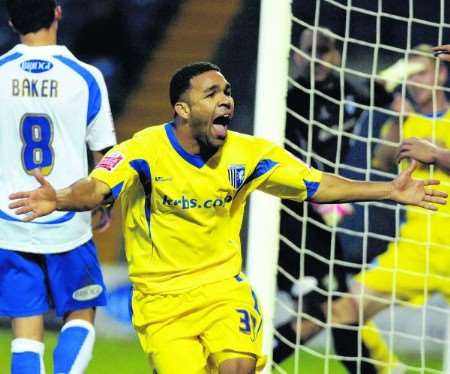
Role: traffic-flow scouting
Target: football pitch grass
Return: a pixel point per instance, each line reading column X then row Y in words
column 124, row 356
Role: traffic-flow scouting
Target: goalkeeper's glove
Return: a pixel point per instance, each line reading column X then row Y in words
column 400, row 71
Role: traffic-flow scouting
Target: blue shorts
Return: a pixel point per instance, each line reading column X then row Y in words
column 32, row 283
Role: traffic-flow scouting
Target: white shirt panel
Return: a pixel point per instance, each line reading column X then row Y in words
column 52, row 104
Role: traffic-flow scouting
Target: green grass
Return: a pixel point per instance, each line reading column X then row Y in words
column 111, row 356
column 309, row 364
column 119, row 356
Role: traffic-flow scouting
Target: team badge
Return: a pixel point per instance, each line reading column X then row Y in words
column 236, row 174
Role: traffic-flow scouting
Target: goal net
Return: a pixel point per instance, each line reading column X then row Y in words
column 339, row 125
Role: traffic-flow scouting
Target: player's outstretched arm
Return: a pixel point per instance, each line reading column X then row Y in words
column 85, row 194
column 424, row 151
column 442, row 52
column 403, row 189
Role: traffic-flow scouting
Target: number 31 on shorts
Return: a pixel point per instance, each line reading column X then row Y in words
column 36, row 131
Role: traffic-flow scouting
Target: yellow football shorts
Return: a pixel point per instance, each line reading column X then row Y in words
column 412, row 271
column 195, row 332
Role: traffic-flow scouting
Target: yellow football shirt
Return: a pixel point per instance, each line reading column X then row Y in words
column 416, row 226
column 417, row 264
column 181, row 214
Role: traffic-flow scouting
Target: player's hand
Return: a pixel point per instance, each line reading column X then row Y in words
column 418, row 149
column 104, row 219
column 36, row 203
column 442, row 52
column 406, row 190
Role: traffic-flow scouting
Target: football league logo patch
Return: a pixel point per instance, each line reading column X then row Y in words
column 236, row 174
column 110, row 162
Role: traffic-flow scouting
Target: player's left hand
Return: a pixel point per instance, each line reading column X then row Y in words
column 105, row 218
column 406, row 190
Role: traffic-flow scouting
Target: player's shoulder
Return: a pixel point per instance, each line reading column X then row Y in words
column 139, row 144
column 151, row 136
column 66, row 57
column 10, row 55
column 152, row 131
column 7, row 54
column 248, row 141
column 445, row 117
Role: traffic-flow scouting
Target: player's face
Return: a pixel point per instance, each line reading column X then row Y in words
column 325, row 52
column 211, row 108
column 421, row 83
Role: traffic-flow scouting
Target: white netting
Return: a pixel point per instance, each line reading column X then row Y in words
column 370, row 35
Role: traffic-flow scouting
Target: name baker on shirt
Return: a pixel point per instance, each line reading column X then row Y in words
column 34, row 87
column 186, row 203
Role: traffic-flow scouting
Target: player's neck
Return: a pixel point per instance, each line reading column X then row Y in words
column 439, row 106
column 40, row 38
column 183, row 133
column 184, row 136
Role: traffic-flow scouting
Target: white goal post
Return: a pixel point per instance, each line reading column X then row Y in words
column 270, row 116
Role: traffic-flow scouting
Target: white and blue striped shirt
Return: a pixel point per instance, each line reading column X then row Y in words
column 52, row 105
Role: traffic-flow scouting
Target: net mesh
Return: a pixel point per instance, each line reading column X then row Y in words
column 340, row 130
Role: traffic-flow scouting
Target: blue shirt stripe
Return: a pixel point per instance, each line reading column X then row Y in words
column 311, row 188
column 143, row 170
column 436, row 114
column 262, row 168
column 195, row 160
column 95, row 95
column 66, row 217
column 116, row 190
column 10, row 58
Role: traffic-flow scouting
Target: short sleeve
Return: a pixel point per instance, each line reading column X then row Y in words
column 100, row 132
column 115, row 170
column 279, row 173
column 290, row 178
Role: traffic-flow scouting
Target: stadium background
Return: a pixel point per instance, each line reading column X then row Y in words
column 137, row 44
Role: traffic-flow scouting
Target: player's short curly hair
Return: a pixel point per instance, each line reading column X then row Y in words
column 31, row 15
column 181, row 80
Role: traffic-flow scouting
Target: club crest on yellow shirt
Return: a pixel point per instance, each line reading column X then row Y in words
column 236, row 174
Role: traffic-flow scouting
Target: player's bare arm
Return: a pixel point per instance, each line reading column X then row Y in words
column 424, row 151
column 85, row 194
column 403, row 189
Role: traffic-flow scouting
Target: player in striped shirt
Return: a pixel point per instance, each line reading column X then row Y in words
column 52, row 106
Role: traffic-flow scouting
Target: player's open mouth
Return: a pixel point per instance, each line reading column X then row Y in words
column 220, row 126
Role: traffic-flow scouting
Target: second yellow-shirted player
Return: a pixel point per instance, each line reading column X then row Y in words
column 418, row 264
column 183, row 187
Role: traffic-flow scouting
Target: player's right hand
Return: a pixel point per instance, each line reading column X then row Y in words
column 442, row 52
column 409, row 191
column 36, row 203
